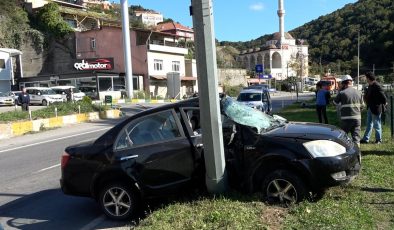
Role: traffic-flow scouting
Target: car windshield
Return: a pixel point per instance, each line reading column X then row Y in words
column 246, row 115
column 249, row 97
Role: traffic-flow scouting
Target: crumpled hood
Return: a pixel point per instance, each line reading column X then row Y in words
column 307, row 131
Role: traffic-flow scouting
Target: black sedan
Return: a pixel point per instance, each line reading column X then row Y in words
column 159, row 152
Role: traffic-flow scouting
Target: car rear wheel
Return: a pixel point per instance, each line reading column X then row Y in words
column 44, row 103
column 283, row 187
column 118, row 201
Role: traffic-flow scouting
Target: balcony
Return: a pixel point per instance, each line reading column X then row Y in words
column 167, row 47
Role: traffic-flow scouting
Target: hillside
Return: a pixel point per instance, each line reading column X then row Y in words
column 332, row 38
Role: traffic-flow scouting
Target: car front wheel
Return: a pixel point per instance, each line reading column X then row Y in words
column 118, row 201
column 44, row 103
column 283, row 187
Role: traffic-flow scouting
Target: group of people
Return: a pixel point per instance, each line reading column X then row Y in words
column 350, row 103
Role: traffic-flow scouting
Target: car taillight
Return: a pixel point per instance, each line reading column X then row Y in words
column 65, row 158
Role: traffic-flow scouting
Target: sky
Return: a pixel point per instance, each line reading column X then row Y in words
column 244, row 20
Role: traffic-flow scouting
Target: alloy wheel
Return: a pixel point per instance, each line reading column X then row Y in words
column 117, row 201
column 281, row 191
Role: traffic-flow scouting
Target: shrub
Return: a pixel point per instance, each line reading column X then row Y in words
column 233, row 91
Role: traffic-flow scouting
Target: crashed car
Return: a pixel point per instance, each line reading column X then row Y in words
column 159, row 152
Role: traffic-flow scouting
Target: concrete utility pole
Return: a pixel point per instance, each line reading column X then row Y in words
column 216, row 179
column 127, row 48
column 358, row 59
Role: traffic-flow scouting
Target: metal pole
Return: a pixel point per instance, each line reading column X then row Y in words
column 127, row 48
column 216, row 180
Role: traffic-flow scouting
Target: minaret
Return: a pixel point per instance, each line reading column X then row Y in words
column 281, row 14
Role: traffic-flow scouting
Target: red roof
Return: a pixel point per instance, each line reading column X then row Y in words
column 173, row 26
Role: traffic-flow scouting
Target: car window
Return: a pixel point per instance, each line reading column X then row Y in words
column 249, row 97
column 154, row 128
column 193, row 119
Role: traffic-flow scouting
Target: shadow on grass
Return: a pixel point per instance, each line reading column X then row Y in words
column 377, row 190
column 377, row 153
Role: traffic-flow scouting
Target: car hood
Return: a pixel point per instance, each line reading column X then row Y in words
column 6, row 98
column 307, row 131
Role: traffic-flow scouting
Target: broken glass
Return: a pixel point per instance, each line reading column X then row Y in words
column 248, row 116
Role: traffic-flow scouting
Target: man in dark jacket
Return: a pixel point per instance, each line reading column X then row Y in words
column 375, row 99
column 24, row 99
column 351, row 102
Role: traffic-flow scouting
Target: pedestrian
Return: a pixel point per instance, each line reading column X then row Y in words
column 322, row 100
column 351, row 102
column 24, row 99
column 69, row 95
column 376, row 101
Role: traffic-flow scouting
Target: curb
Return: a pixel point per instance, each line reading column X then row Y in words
column 22, row 127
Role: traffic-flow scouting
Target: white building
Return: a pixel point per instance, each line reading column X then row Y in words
column 150, row 18
column 281, row 54
column 10, row 66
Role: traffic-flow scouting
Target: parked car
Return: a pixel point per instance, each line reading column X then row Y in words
column 15, row 95
column 159, row 152
column 63, row 89
column 258, row 86
column 256, row 98
column 6, row 99
column 120, row 88
column 90, row 91
column 43, row 95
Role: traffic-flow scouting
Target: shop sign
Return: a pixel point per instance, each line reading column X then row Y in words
column 94, row 64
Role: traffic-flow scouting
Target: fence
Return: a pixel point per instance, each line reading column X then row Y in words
column 389, row 119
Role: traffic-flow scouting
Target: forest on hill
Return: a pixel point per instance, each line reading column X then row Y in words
column 333, row 38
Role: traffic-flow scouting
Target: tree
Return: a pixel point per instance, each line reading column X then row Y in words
column 51, row 21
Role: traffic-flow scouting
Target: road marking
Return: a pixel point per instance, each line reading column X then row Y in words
column 51, row 167
column 94, row 223
column 56, row 139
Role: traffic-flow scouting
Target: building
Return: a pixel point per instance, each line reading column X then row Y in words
column 10, row 68
column 148, row 17
column 282, row 54
column 98, row 62
column 183, row 32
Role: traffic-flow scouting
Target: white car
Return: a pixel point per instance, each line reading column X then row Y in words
column 43, row 95
column 77, row 95
column 6, row 99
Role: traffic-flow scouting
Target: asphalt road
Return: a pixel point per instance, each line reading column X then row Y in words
column 30, row 195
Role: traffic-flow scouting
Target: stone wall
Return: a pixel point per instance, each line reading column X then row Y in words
column 232, row 77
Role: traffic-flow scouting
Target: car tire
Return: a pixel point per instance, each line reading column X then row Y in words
column 44, row 103
column 118, row 201
column 283, row 187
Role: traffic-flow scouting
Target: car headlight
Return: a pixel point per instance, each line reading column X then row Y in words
column 324, row 148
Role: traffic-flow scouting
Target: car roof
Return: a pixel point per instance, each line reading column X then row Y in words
column 39, row 88
column 63, row 87
column 253, row 91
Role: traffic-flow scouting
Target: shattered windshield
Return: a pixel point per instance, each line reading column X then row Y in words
column 246, row 115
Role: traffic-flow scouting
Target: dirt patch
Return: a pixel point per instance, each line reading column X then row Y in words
column 274, row 217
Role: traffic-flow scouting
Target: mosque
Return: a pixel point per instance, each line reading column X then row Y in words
column 282, row 54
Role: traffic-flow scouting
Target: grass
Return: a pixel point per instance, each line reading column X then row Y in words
column 62, row 109
column 366, row 203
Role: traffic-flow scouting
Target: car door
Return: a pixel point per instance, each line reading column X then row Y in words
column 33, row 96
column 155, row 151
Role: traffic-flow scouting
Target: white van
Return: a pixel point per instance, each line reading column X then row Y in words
column 77, row 95
column 43, row 95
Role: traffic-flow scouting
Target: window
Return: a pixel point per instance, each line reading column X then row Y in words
column 93, row 43
column 175, row 66
column 159, row 127
column 158, row 64
column 2, row 63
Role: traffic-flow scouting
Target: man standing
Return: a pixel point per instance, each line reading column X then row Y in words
column 24, row 99
column 351, row 103
column 375, row 99
column 322, row 100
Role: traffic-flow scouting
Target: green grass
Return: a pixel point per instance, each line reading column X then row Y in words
column 62, row 109
column 366, row 203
